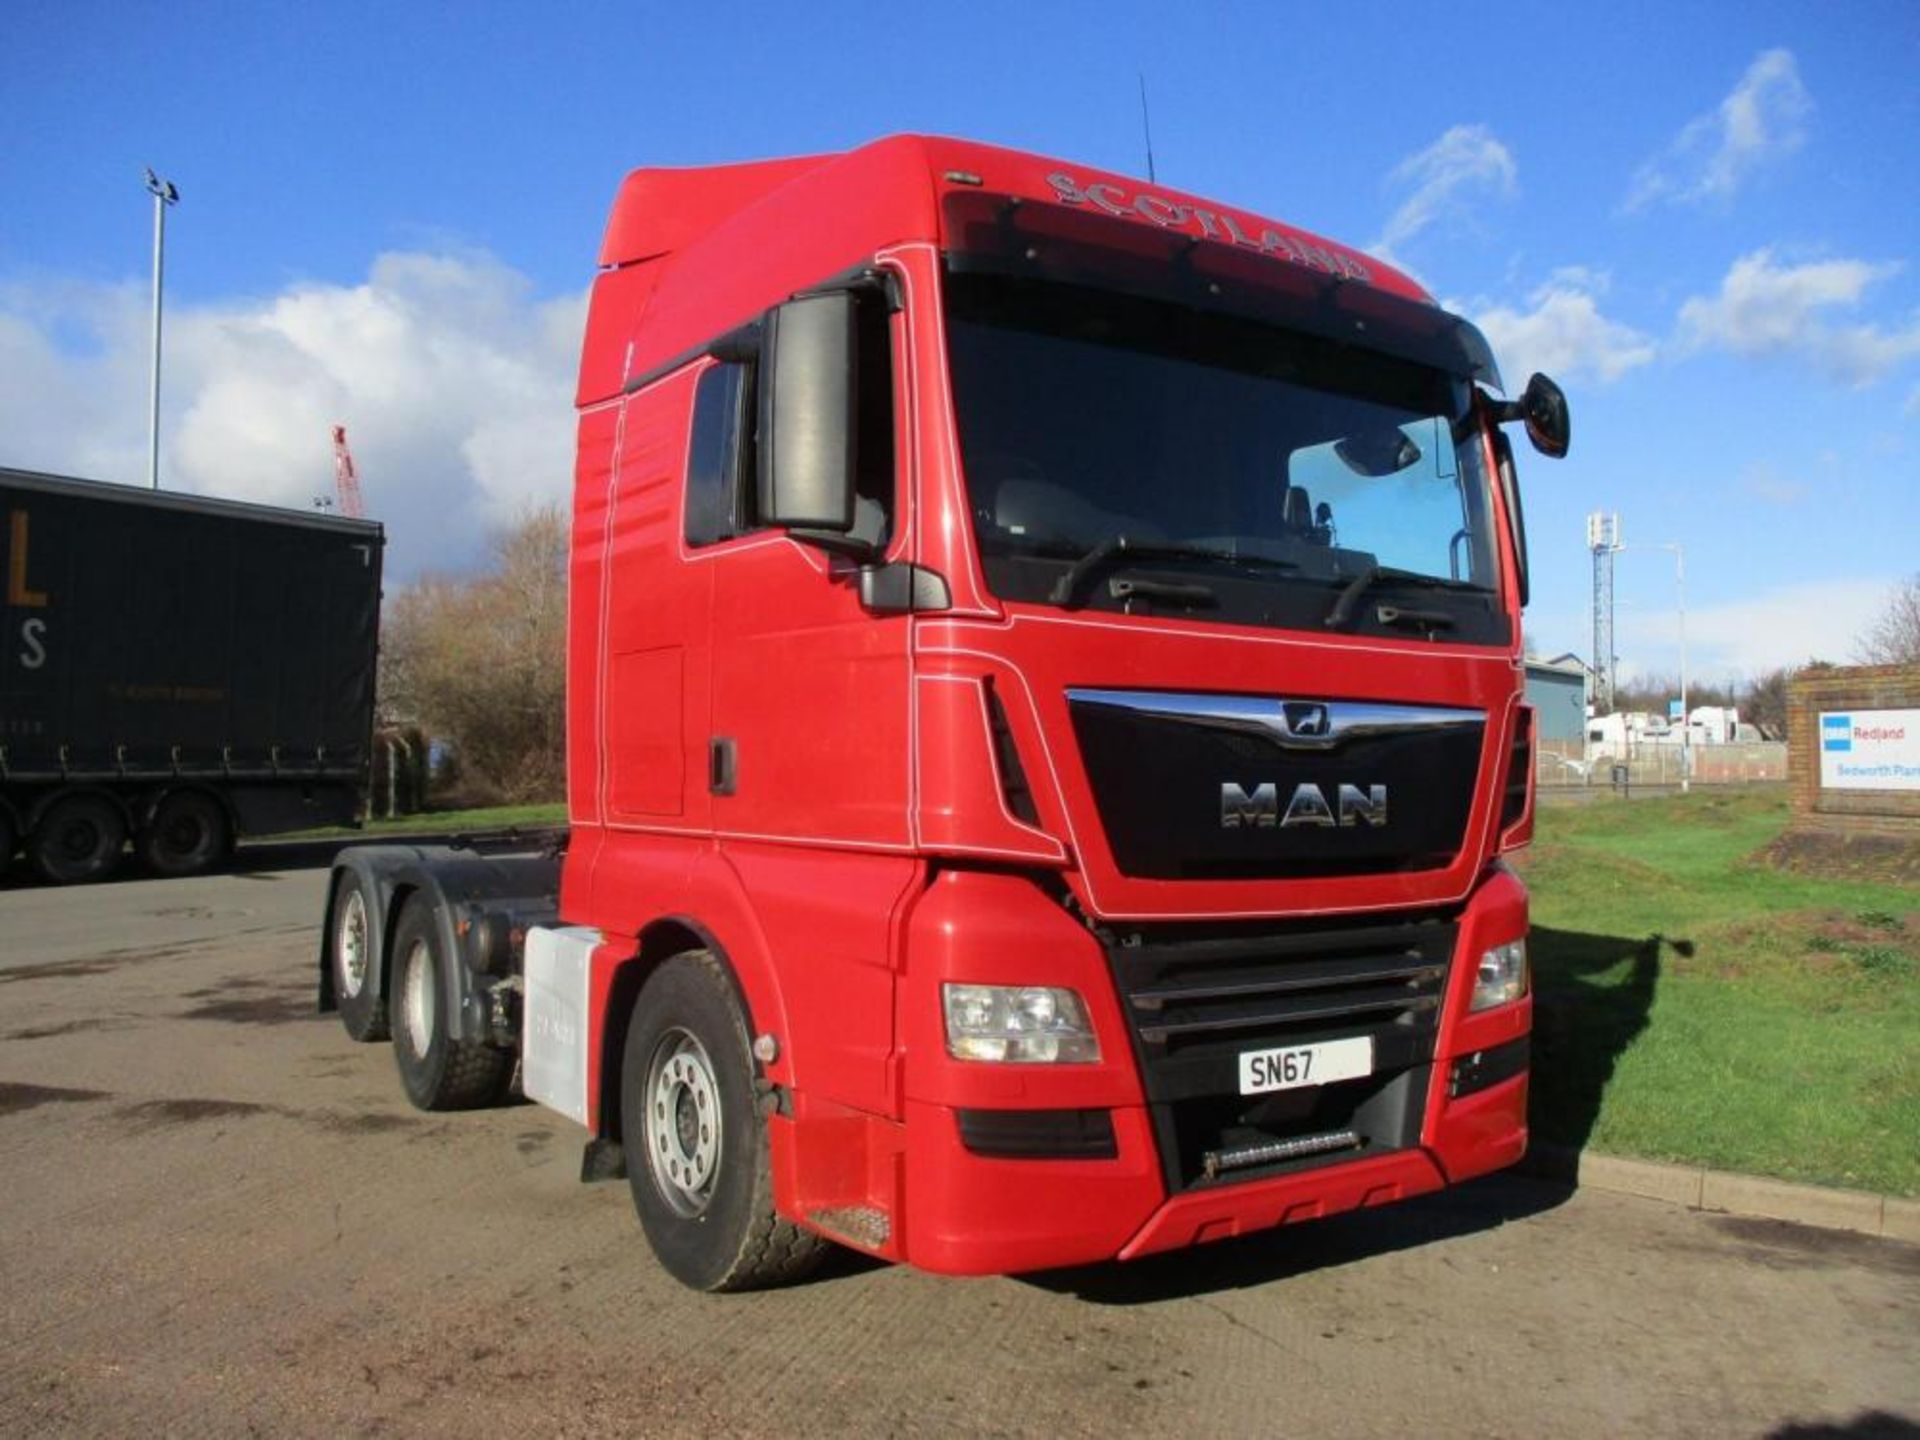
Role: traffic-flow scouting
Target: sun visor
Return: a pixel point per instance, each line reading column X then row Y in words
column 1009, row 235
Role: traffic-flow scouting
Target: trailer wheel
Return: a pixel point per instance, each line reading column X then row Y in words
column 188, row 835
column 79, row 839
column 356, row 984
column 438, row 1072
column 696, row 1144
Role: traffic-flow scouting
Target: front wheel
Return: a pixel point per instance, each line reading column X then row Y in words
column 696, row 1145
column 437, row 1071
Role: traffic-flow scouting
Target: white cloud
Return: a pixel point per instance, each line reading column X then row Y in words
column 1765, row 308
column 1816, row 619
column 1764, row 481
column 454, row 382
column 1466, row 164
column 1562, row 332
column 1763, row 119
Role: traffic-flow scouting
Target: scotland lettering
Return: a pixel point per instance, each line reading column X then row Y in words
column 1211, row 224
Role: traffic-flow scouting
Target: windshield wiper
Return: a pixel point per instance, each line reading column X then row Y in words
column 1343, row 603
column 1119, row 548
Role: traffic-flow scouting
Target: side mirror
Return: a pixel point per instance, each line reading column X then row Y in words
column 1544, row 407
column 807, row 390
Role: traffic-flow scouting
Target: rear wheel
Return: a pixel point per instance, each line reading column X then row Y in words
column 79, row 839
column 696, row 1144
column 356, row 985
column 437, row 1071
column 188, row 835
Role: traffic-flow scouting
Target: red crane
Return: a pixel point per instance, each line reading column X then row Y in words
column 346, row 479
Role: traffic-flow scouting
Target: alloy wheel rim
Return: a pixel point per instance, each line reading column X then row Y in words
column 683, row 1123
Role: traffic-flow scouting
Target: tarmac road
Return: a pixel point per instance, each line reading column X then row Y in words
column 218, row 1216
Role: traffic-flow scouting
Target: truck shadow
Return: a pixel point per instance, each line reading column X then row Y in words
column 1592, row 996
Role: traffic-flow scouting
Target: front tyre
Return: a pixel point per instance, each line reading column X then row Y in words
column 356, row 983
column 696, row 1145
column 437, row 1071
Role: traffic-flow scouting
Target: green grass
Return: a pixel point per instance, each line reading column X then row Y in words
column 1697, row 1004
column 446, row 822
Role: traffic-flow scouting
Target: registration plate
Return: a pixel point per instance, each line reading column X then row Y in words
column 1294, row 1066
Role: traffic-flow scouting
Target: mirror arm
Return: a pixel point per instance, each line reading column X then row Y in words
column 739, row 346
column 836, row 542
column 1503, row 412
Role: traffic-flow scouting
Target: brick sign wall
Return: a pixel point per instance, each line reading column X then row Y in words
column 1859, row 688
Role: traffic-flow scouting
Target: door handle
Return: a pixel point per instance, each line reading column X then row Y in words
column 722, row 765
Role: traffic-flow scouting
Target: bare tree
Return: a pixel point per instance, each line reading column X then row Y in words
column 481, row 661
column 1894, row 638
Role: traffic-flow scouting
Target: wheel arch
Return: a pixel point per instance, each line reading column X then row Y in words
column 659, row 941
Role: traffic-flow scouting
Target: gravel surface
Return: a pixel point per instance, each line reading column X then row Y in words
column 220, row 1217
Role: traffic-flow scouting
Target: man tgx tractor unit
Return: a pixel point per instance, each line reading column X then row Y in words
column 1044, row 721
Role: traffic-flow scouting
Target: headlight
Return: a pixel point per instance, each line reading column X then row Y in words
column 1502, row 976
column 1031, row 1024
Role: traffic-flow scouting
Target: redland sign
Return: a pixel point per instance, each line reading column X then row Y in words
column 1870, row 749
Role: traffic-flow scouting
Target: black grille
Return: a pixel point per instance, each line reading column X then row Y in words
column 1159, row 784
column 1198, row 1000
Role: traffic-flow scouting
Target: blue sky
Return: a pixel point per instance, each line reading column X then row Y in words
column 1702, row 220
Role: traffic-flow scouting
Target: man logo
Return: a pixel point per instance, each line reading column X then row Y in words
column 1307, row 720
column 1260, row 808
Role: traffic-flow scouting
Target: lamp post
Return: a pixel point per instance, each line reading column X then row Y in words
column 164, row 194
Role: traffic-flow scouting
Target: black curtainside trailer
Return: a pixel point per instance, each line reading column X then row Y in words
column 177, row 671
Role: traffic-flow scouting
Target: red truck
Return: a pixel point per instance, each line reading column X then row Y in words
column 1044, row 721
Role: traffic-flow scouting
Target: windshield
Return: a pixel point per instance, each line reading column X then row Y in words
column 1269, row 469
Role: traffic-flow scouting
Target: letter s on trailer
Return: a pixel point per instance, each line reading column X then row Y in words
column 970, row 553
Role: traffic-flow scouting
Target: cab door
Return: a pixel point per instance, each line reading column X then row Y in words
column 810, row 763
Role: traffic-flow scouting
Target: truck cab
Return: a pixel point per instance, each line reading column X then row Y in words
column 1044, row 721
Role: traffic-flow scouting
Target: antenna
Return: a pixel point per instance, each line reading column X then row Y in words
column 1146, row 128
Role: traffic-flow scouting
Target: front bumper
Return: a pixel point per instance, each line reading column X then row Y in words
column 1459, row 1103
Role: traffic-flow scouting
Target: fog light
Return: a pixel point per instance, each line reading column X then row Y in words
column 1502, row 977
column 1019, row 1024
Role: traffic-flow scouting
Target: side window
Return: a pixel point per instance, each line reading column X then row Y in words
column 721, row 482
column 718, row 470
